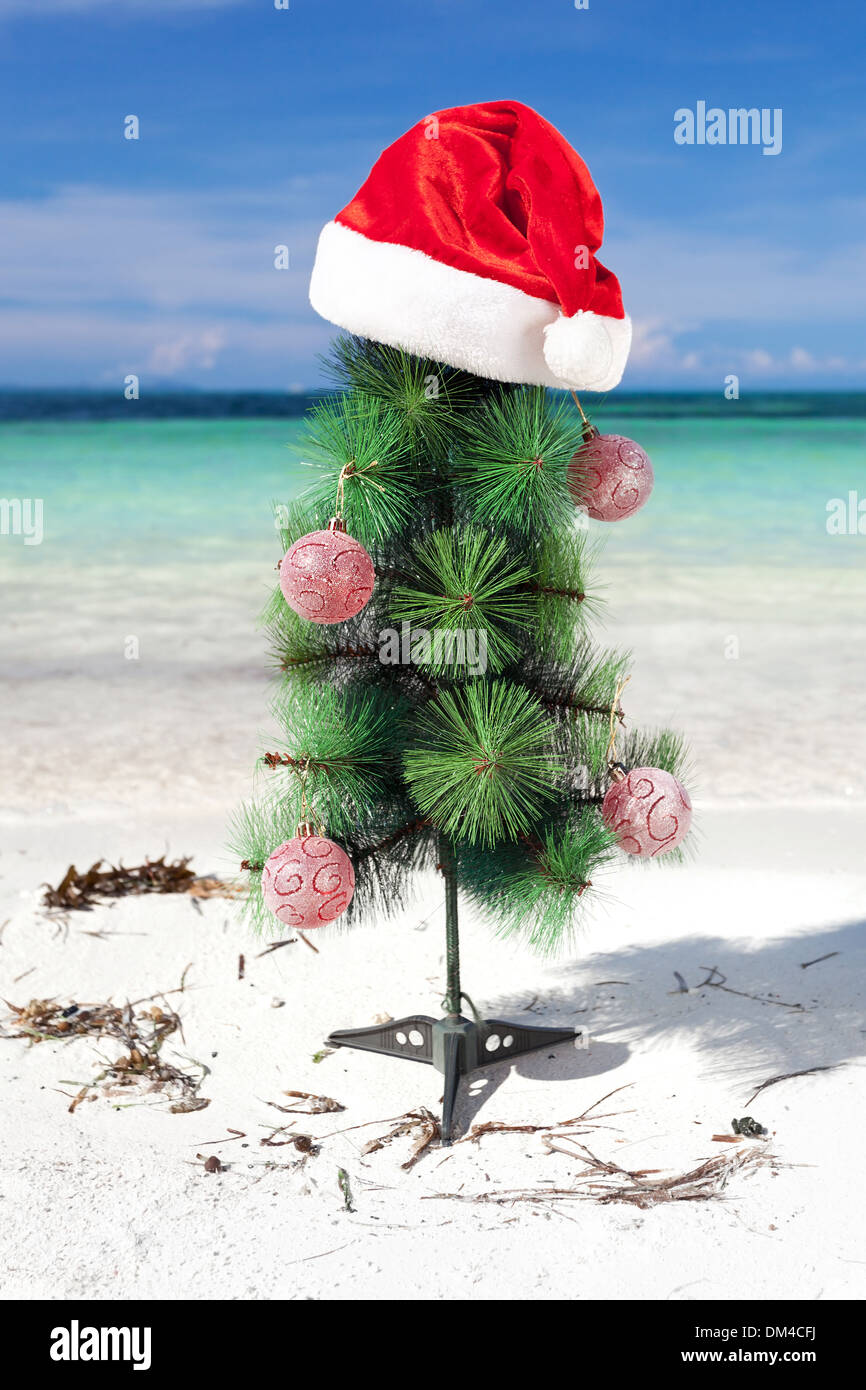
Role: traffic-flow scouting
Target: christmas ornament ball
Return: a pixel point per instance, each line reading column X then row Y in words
column 648, row 810
column 308, row 881
column 611, row 476
column 327, row 576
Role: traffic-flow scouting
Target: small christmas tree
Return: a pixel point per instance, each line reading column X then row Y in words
column 441, row 703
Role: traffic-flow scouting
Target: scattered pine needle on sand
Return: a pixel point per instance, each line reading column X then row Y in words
column 143, row 1026
column 420, row 1124
column 424, row 1128
column 605, row 1182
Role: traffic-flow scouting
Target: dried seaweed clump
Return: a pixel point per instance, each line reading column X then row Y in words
column 80, row 892
column 140, row 1070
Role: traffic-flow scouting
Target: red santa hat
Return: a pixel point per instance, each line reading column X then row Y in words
column 473, row 242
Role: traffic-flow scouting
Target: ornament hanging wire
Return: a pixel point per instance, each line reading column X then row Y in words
column 614, row 767
column 351, row 470
column 307, row 827
column 589, row 429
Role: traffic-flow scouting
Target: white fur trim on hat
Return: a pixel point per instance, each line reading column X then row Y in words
column 403, row 297
column 588, row 351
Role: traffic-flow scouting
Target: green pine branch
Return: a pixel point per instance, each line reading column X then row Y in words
column 511, row 457
column 365, row 444
column 305, row 652
column 585, row 684
column 425, row 395
column 566, row 599
column 388, row 852
column 464, row 581
column 536, row 888
column 459, row 489
column 339, row 755
column 479, row 766
column 256, row 829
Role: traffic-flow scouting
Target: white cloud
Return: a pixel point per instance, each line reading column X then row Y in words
column 782, row 364
column 199, row 349
column 159, row 251
column 183, row 285
column 759, row 360
column 695, row 294
column 656, row 354
column 802, row 359
column 72, row 346
column 688, row 274
column 104, row 282
column 652, row 343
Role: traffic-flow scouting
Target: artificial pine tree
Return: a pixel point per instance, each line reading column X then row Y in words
column 441, row 704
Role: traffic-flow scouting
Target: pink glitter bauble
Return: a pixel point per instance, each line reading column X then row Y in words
column 649, row 811
column 327, row 576
column 611, row 476
column 308, row 882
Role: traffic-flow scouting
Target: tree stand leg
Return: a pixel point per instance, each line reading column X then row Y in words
column 454, row 1045
column 452, row 1081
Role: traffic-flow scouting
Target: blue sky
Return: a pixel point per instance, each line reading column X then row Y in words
column 155, row 256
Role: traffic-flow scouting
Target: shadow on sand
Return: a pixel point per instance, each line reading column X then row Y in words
column 771, row 1007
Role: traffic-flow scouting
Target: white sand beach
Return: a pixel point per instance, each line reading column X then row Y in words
column 116, row 759
column 456, row 282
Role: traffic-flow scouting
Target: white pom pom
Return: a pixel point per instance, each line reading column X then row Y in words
column 588, row 352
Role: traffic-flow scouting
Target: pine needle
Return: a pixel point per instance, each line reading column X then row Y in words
column 464, row 582
column 480, row 766
column 512, row 458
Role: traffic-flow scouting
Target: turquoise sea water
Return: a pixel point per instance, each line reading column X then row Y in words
column 752, row 489
column 160, row 530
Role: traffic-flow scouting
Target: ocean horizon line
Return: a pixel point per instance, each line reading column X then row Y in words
column 35, row 404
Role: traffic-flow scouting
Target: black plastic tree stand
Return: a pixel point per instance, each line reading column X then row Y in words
column 454, row 1045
